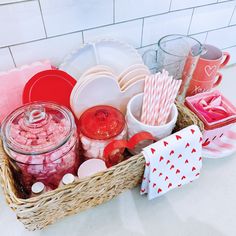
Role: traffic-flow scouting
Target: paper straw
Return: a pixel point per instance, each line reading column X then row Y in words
column 153, row 100
column 164, row 98
column 158, row 92
column 145, row 98
column 175, row 86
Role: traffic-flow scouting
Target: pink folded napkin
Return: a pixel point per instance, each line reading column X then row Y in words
column 12, row 84
column 172, row 162
column 212, row 108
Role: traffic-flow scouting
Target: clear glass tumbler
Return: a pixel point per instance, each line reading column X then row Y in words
column 172, row 54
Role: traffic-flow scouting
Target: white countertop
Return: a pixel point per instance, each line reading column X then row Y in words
column 207, row 207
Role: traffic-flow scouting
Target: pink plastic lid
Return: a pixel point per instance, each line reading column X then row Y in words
column 37, row 128
column 101, row 122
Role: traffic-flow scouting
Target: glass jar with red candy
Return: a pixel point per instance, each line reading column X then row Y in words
column 99, row 125
column 41, row 141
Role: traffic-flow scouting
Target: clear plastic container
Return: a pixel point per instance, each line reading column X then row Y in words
column 99, row 125
column 41, row 141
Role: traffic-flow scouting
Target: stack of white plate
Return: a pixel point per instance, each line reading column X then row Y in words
column 107, row 72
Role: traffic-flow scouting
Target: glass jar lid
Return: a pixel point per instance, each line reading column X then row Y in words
column 101, row 122
column 37, row 128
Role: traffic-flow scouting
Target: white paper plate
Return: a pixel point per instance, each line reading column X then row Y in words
column 117, row 55
column 102, row 90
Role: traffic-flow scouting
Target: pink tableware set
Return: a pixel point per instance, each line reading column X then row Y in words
column 103, row 105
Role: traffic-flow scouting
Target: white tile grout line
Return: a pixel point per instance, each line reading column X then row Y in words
column 97, row 27
column 234, row 11
column 114, row 11
column 170, row 5
column 206, row 37
column 190, row 22
column 10, row 3
column 82, row 37
column 82, row 31
column 141, row 42
column 41, row 12
column 13, row 59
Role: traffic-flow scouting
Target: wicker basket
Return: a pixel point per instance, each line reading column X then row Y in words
column 38, row 212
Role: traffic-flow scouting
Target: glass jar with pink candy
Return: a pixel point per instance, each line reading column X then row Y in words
column 41, row 141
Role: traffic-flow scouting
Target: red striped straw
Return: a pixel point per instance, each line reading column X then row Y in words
column 160, row 91
column 164, row 97
column 145, row 100
column 153, row 98
column 145, row 117
column 172, row 95
column 158, row 88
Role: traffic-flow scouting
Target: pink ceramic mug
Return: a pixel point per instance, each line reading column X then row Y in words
column 206, row 75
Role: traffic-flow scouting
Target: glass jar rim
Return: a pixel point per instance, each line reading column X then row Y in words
column 14, row 146
column 178, row 36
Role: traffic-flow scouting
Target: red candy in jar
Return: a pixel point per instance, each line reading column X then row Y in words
column 41, row 141
column 100, row 125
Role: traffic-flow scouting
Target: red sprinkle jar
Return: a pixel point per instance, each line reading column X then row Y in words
column 98, row 126
column 41, row 141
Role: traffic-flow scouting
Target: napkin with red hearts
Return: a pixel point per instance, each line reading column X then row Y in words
column 172, row 162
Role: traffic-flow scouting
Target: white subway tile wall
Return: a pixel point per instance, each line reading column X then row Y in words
column 181, row 4
column 20, row 22
column 64, row 16
column 42, row 29
column 212, row 17
column 131, row 9
column 54, row 49
column 222, row 38
column 6, row 62
column 233, row 19
column 232, row 52
column 171, row 23
column 9, row 1
column 129, row 32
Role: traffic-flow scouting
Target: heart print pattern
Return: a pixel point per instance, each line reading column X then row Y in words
column 175, row 162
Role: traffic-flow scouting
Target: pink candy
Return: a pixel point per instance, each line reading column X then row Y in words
column 49, row 167
column 41, row 140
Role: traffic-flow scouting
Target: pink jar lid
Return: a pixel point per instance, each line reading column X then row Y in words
column 101, row 122
column 37, row 128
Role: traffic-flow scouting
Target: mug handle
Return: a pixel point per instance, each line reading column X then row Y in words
column 226, row 60
column 218, row 80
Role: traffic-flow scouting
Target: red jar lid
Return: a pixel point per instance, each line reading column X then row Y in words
column 101, row 122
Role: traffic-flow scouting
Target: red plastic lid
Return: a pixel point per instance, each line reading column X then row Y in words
column 101, row 122
column 49, row 85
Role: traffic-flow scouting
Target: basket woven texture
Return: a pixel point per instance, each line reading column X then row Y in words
column 38, row 212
